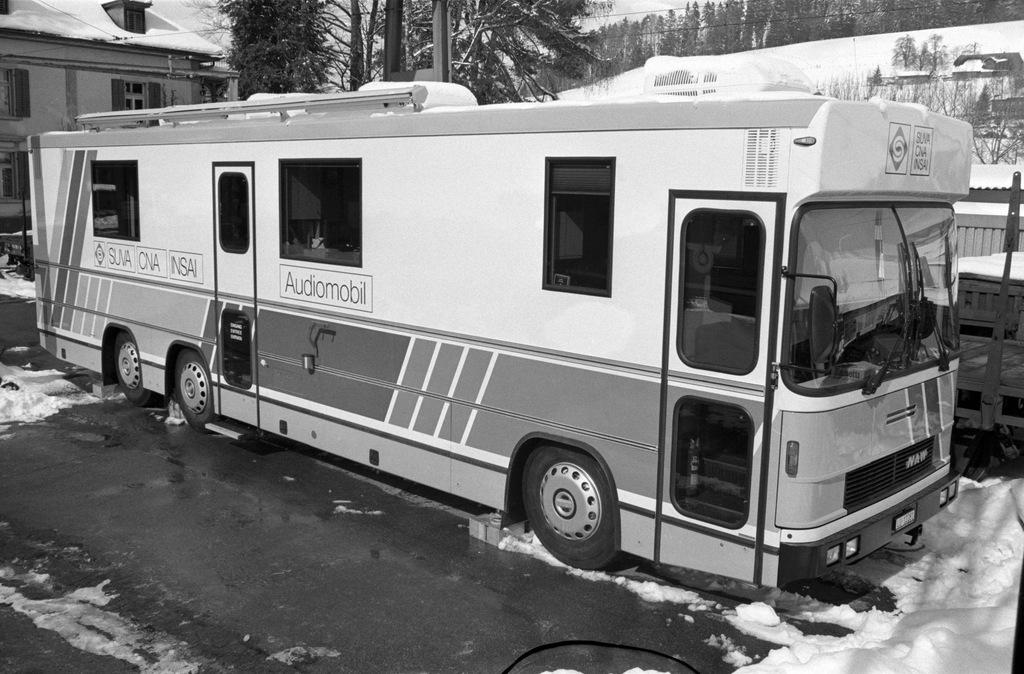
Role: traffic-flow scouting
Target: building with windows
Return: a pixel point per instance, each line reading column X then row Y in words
column 63, row 58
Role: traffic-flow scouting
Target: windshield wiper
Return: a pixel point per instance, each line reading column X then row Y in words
column 924, row 311
column 874, row 380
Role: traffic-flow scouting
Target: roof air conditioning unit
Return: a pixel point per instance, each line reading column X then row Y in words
column 692, row 76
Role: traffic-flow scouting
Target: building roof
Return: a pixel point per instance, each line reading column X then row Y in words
column 993, row 176
column 88, row 20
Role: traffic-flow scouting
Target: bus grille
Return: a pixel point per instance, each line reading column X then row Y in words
column 887, row 475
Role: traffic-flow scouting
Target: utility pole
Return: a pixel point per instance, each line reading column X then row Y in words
column 442, row 68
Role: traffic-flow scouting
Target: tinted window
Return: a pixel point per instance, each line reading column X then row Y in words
column 720, row 290
column 233, row 212
column 115, row 200
column 321, row 212
column 578, row 232
column 712, row 449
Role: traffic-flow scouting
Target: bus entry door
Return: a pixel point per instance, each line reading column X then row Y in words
column 717, row 351
column 234, row 374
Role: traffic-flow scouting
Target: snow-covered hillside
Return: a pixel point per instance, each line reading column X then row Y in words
column 856, row 57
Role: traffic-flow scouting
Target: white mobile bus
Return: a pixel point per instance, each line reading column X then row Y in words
column 714, row 331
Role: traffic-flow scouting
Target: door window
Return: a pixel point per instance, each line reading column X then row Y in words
column 720, row 290
column 711, row 461
column 233, row 212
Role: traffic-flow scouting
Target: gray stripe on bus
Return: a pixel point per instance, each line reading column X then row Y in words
column 63, row 190
column 426, row 382
column 444, row 418
column 81, row 301
column 468, row 389
column 84, row 196
column 447, row 362
column 401, row 411
column 430, row 411
column 39, row 213
column 67, row 235
column 419, row 361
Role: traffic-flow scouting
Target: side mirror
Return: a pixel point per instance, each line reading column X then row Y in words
column 822, row 318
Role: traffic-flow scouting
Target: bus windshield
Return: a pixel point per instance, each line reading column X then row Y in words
column 873, row 295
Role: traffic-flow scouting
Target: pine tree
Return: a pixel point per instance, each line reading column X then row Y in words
column 277, row 46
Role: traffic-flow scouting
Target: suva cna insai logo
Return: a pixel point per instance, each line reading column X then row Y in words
column 336, row 289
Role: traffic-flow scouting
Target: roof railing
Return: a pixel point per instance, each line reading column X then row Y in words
column 409, row 98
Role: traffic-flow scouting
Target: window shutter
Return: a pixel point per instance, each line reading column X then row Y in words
column 154, row 95
column 594, row 178
column 21, row 94
column 21, row 174
column 117, row 94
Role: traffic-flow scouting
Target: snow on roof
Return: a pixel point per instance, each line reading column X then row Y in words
column 993, row 176
column 87, row 20
column 857, row 57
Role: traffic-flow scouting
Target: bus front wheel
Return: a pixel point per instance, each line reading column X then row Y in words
column 570, row 506
column 192, row 390
column 128, row 370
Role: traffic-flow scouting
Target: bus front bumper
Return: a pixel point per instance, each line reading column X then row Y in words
column 811, row 560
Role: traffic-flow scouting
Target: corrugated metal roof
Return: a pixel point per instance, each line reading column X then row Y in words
column 993, row 176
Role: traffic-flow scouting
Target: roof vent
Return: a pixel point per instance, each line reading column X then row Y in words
column 693, row 76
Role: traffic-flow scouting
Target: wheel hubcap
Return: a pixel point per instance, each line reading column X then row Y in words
column 128, row 365
column 193, row 388
column 571, row 502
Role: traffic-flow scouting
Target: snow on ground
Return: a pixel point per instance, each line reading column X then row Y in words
column 13, row 285
column 31, row 395
column 303, row 655
column 79, row 617
column 991, row 266
column 344, row 507
column 956, row 599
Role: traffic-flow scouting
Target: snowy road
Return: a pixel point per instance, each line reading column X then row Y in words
column 140, row 545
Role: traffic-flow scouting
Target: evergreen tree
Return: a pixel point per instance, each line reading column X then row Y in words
column 670, row 42
column 277, row 46
column 690, row 43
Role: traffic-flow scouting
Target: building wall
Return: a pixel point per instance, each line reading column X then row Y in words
column 73, row 77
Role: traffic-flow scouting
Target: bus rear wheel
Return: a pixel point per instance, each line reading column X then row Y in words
column 128, row 370
column 570, row 506
column 192, row 390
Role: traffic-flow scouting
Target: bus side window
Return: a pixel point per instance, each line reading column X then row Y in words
column 720, row 290
column 115, row 199
column 233, row 210
column 321, row 211
column 578, row 226
column 712, row 445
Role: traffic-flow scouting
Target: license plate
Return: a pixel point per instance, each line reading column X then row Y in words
column 904, row 519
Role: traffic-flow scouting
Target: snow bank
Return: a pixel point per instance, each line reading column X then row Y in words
column 79, row 618
column 15, row 286
column 28, row 395
column 647, row 590
column 956, row 599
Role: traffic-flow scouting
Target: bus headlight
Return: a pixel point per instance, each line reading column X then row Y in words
column 943, row 496
column 852, row 547
column 832, row 555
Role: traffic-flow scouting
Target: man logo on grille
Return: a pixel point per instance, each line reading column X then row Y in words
column 915, row 459
column 100, row 255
